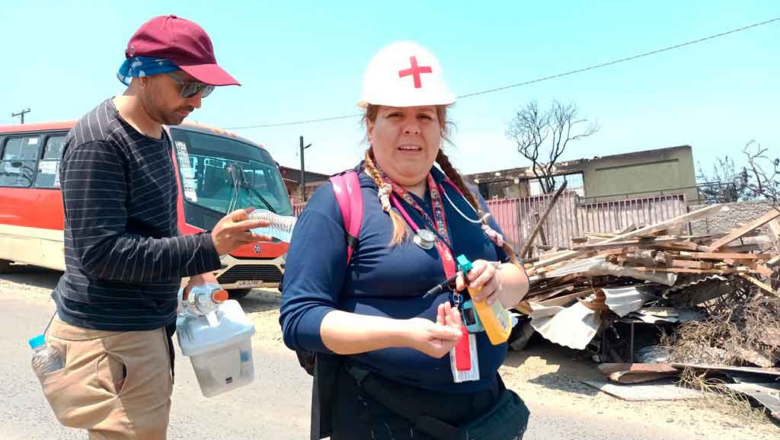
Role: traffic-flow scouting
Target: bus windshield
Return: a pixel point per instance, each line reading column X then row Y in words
column 221, row 174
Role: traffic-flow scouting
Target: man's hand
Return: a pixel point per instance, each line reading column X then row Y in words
column 233, row 231
column 199, row 280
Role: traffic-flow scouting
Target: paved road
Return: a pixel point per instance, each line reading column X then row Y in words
column 275, row 406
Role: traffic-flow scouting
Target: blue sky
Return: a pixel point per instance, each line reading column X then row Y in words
column 305, row 60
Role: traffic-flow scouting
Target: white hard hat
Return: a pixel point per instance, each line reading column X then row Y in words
column 404, row 74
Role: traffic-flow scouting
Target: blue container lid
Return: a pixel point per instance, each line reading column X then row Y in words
column 37, row 341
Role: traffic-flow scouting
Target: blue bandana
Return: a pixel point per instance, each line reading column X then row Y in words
column 138, row 67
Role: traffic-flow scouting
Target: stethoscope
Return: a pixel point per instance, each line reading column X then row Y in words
column 425, row 239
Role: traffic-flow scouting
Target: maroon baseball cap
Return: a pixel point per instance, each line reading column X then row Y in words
column 184, row 43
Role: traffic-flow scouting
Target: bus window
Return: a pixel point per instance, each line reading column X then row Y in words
column 49, row 167
column 18, row 162
column 209, row 166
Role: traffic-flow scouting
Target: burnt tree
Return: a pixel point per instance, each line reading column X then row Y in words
column 543, row 136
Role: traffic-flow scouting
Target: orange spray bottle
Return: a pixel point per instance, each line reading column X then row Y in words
column 494, row 318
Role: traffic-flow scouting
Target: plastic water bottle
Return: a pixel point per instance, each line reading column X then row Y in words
column 46, row 359
column 281, row 226
column 203, row 300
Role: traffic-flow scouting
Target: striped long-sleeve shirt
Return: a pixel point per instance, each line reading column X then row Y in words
column 124, row 257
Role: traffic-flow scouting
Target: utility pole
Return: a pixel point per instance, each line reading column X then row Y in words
column 21, row 113
column 303, row 171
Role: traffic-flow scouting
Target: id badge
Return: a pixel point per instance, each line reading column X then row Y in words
column 464, row 360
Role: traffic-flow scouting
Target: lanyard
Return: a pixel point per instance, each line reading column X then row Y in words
column 461, row 354
column 440, row 224
column 442, row 240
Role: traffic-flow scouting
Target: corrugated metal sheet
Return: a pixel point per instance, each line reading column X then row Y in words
column 572, row 326
column 624, row 300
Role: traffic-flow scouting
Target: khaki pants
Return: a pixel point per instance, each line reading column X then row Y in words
column 117, row 385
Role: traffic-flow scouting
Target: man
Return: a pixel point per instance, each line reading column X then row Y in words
column 116, row 302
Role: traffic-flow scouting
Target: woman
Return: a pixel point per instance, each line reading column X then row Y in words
column 397, row 343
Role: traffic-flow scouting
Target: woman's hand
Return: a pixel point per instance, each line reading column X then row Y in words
column 483, row 279
column 435, row 339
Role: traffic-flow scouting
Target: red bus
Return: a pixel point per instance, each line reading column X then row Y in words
column 216, row 171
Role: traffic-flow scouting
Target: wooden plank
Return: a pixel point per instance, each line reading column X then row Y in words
column 599, row 235
column 739, row 248
column 774, row 234
column 638, row 242
column 635, row 378
column 755, row 224
column 563, row 299
column 549, row 293
column 648, row 242
column 763, row 286
column 686, row 270
column 774, row 261
column 724, row 255
column 539, row 224
column 608, row 252
column 541, row 230
column 764, row 270
column 637, row 261
column 691, row 264
column 691, row 216
column 682, row 246
column 608, row 368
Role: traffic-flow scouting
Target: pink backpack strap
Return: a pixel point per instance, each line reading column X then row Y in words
column 346, row 186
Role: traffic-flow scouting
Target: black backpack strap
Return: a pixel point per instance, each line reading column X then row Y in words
column 425, row 423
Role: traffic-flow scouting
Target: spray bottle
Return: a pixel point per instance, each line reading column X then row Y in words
column 202, row 300
column 495, row 319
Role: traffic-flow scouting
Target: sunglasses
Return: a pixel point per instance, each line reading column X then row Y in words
column 192, row 88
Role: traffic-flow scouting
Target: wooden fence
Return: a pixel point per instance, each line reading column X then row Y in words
column 571, row 217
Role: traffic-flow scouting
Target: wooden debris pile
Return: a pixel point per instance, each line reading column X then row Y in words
column 714, row 297
column 650, row 274
column 654, row 258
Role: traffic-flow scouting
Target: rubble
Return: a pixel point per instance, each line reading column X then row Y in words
column 708, row 303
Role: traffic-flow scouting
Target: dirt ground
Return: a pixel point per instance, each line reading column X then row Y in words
column 550, row 373
column 543, row 372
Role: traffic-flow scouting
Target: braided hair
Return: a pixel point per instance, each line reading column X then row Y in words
column 399, row 228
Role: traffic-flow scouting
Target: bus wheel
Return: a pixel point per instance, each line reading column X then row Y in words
column 238, row 293
column 5, row 266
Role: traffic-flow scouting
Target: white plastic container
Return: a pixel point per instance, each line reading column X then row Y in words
column 220, row 347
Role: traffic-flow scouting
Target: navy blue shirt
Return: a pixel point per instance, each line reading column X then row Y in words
column 380, row 281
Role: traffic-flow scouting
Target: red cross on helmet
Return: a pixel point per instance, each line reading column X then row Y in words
column 404, row 74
